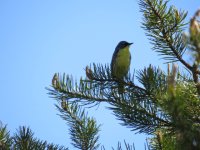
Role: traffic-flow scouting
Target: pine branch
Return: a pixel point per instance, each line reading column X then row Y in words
column 24, row 140
column 127, row 146
column 83, row 129
column 136, row 107
column 194, row 45
column 153, row 79
column 162, row 141
column 5, row 138
column 140, row 117
column 164, row 28
column 164, row 103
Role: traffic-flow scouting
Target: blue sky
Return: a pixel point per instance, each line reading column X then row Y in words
column 41, row 37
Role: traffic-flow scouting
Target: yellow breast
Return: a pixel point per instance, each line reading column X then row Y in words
column 122, row 63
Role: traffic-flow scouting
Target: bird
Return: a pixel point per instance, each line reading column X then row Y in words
column 120, row 63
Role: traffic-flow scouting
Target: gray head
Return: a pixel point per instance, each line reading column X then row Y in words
column 122, row 44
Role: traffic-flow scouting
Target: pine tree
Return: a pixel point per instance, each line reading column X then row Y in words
column 23, row 139
column 165, row 104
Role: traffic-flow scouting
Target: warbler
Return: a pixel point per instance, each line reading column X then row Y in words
column 120, row 63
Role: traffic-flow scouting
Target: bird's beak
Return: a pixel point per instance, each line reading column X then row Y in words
column 130, row 44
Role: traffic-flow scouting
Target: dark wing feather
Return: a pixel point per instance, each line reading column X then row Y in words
column 114, row 58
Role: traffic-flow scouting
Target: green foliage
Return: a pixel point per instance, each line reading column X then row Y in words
column 5, row 139
column 134, row 108
column 163, row 104
column 128, row 146
column 193, row 39
column 153, row 79
column 83, row 129
column 162, row 141
column 24, row 139
column 164, row 28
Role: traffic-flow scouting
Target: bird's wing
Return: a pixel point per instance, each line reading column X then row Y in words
column 114, row 58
